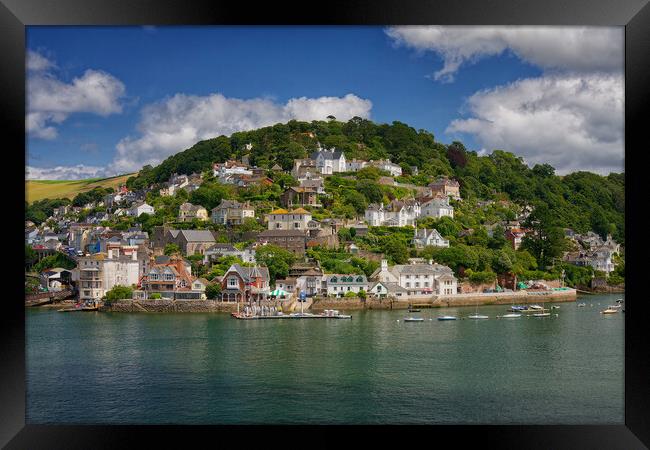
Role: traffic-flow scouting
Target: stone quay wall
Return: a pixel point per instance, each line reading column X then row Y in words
column 443, row 301
column 161, row 306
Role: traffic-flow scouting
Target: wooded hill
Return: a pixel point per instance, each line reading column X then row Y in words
column 581, row 200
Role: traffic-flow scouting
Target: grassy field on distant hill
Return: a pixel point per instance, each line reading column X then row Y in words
column 40, row 189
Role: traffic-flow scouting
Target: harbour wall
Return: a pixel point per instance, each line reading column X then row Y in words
column 175, row 306
column 321, row 303
column 445, row 301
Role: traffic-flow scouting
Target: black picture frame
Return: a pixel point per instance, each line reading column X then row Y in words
column 633, row 14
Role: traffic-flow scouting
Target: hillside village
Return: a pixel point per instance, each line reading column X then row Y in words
column 329, row 224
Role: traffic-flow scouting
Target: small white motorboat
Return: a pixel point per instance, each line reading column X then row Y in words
column 581, row 305
column 510, row 316
column 413, row 319
column 555, row 307
column 478, row 316
column 447, row 318
column 609, row 311
column 541, row 314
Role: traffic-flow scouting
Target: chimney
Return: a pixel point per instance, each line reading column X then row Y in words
column 384, row 264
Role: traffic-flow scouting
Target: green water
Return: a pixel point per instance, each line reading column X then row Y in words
column 108, row 368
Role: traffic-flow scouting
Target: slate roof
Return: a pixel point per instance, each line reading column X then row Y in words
column 327, row 154
column 197, row 235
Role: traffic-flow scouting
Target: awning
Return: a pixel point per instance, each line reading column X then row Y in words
column 278, row 293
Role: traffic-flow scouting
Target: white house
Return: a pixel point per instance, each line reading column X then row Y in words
column 418, row 279
column 340, row 284
column 329, row 161
column 220, row 250
column 437, row 207
column 140, row 208
column 355, row 165
column 385, row 164
column 423, row 238
column 281, row 219
column 98, row 273
column 225, row 171
column 383, row 289
column 396, row 214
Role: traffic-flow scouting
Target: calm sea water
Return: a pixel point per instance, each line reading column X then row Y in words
column 108, row 368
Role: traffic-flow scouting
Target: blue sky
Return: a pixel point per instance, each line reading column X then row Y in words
column 106, row 100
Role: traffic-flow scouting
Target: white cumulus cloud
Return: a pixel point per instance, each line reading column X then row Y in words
column 571, row 122
column 581, row 49
column 178, row 122
column 77, row 172
column 51, row 100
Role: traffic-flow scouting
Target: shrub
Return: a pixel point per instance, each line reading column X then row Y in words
column 119, row 292
column 482, row 277
column 155, row 296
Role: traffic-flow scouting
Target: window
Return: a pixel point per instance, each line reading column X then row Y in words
column 417, row 284
column 426, row 284
column 232, row 282
column 408, row 284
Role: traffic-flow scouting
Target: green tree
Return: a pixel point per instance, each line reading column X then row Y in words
column 213, row 291
column 119, row 292
column 276, row 259
column 396, row 251
column 57, row 260
column 30, row 256
column 545, row 241
column 171, row 249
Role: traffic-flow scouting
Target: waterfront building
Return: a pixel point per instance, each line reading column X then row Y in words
column 245, row 284
column 418, row 279
column 340, row 284
column 382, row 289
column 98, row 273
column 172, row 279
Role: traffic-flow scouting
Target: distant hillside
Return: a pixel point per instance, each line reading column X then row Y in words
column 40, row 189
